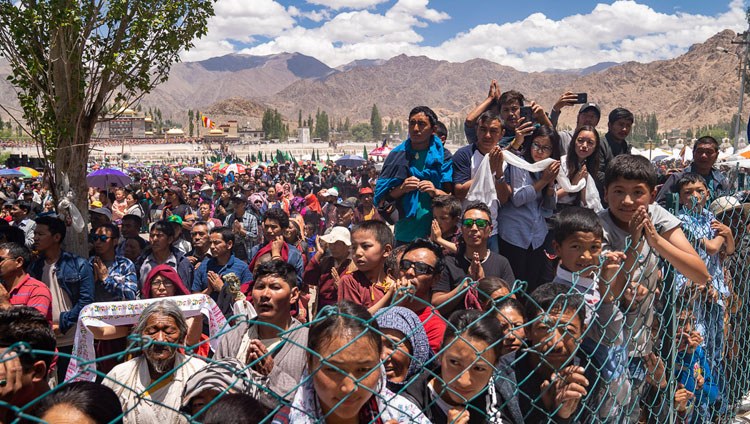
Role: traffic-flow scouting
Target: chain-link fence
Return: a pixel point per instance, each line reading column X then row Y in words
column 620, row 341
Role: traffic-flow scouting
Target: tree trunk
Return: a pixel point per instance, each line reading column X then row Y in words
column 70, row 161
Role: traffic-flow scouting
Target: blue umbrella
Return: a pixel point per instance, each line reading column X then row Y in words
column 350, row 161
column 108, row 177
column 10, row 173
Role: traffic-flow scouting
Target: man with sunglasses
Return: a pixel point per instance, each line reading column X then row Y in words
column 115, row 278
column 473, row 260
column 466, row 161
column 421, row 267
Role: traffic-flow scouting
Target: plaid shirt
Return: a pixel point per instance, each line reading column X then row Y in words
column 121, row 281
column 34, row 293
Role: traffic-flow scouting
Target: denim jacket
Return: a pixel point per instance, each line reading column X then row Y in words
column 76, row 277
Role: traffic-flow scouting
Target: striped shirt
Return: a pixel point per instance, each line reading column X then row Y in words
column 34, row 293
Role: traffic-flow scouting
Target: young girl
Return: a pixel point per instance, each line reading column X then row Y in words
column 581, row 162
column 346, row 381
column 523, row 228
column 463, row 391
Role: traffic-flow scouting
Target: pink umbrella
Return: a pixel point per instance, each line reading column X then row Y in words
column 381, row 151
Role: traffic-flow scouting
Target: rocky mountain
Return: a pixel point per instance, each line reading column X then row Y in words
column 697, row 88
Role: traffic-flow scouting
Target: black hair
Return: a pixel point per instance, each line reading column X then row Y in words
column 631, row 167
column 55, row 225
column 391, row 262
column 488, row 285
column 510, row 303
column 235, row 408
column 592, row 162
column 706, row 139
column 135, row 218
column 344, row 318
column 543, row 131
column 226, row 233
column 17, row 250
column 279, row 268
column 141, row 241
column 112, row 229
column 511, row 96
column 383, row 234
column 689, row 178
column 96, row 401
column 422, row 243
column 164, row 226
column 489, row 115
column 429, row 113
column 23, row 205
column 554, row 297
column 12, row 234
column 440, row 130
column 576, row 219
column 28, row 325
column 474, row 324
column 278, row 215
column 480, row 207
column 620, row 113
column 137, row 197
column 449, row 202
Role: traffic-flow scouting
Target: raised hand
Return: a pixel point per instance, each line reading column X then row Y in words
column 563, row 393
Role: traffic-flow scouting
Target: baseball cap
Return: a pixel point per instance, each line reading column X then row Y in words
column 590, row 105
column 347, row 203
column 102, row 211
column 365, row 190
column 206, row 187
column 239, row 197
column 333, row 192
column 177, row 219
column 338, row 234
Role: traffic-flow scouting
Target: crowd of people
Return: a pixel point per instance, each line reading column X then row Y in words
column 531, row 276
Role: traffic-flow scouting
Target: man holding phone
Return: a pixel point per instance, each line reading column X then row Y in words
column 588, row 114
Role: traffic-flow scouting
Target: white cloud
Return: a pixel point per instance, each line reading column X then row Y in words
column 347, row 4
column 622, row 31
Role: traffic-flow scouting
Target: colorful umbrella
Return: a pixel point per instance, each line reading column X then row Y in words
column 381, row 151
column 11, row 173
column 27, row 172
column 237, row 168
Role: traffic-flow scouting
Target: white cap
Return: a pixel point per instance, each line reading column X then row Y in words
column 338, row 234
column 333, row 192
column 205, row 187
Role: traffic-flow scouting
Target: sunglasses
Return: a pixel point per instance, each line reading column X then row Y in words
column 98, row 237
column 481, row 223
column 420, row 268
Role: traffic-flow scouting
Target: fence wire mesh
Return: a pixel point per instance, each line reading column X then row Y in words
column 617, row 344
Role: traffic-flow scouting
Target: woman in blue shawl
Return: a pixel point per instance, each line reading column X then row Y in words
column 414, row 172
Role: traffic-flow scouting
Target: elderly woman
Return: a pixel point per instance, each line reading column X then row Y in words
column 414, row 172
column 150, row 386
column 346, row 381
column 406, row 349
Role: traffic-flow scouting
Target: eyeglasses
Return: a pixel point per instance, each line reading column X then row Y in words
column 586, row 141
column 540, row 148
column 163, row 283
column 420, row 268
column 481, row 223
column 707, row 152
column 3, row 259
column 98, row 237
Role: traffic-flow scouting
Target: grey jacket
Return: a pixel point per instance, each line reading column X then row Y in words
column 288, row 361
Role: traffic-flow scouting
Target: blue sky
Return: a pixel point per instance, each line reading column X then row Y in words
column 528, row 35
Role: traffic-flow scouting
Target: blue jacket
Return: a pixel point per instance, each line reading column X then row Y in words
column 295, row 258
column 76, row 277
column 686, row 367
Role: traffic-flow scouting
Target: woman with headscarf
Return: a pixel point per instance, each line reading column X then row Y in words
column 406, row 349
column 162, row 281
